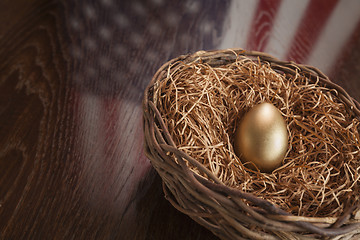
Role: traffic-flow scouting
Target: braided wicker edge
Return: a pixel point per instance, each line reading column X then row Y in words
column 209, row 202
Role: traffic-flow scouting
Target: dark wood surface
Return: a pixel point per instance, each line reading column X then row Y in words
column 72, row 76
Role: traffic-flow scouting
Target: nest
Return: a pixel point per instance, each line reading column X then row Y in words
column 191, row 111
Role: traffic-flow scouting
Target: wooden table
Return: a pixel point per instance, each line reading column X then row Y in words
column 72, row 76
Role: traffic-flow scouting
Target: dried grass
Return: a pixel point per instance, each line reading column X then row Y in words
column 201, row 106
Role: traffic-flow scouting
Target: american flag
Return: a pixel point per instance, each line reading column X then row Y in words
column 110, row 134
column 314, row 32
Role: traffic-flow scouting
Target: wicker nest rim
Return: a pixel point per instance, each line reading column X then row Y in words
column 186, row 190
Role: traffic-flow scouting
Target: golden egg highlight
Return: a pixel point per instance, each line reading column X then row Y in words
column 262, row 137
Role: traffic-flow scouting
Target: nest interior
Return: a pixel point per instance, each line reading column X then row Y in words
column 202, row 105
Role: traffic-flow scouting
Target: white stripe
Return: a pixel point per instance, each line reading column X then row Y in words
column 285, row 27
column 90, row 143
column 238, row 24
column 90, row 122
column 124, row 153
column 338, row 30
column 131, row 164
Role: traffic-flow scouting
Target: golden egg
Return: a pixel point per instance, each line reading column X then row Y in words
column 262, row 137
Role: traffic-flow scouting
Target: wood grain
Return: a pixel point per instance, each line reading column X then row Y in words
column 36, row 124
column 72, row 79
column 72, row 76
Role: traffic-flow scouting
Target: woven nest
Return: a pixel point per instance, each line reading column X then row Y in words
column 191, row 110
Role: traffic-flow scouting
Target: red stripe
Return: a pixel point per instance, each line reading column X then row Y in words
column 347, row 59
column 312, row 23
column 110, row 115
column 109, row 136
column 262, row 24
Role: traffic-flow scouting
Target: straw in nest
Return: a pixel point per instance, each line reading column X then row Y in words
column 192, row 108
